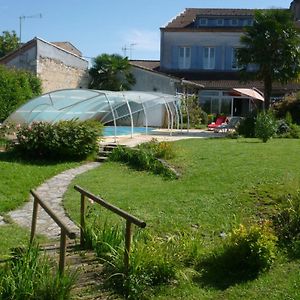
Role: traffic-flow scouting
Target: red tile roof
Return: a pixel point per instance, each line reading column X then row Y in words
column 188, row 16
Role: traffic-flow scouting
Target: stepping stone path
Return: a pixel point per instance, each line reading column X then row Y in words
column 52, row 192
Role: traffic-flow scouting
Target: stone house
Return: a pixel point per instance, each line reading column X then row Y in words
column 59, row 65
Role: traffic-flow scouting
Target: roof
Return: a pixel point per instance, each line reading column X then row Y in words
column 68, row 46
column 188, row 16
column 30, row 44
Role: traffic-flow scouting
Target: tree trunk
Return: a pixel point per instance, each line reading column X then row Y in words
column 267, row 92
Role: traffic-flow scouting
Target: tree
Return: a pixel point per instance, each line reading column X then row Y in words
column 111, row 72
column 8, row 42
column 16, row 87
column 272, row 45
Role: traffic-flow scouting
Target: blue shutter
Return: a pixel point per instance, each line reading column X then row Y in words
column 200, row 57
column 175, row 55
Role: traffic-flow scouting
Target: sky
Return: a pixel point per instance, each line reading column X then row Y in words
column 126, row 27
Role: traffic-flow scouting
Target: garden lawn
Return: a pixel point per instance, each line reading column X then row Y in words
column 17, row 178
column 224, row 182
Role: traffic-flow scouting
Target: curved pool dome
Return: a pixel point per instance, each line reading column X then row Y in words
column 126, row 108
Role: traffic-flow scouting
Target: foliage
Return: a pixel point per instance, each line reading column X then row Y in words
column 67, row 140
column 158, row 149
column 246, row 127
column 287, row 224
column 142, row 159
column 244, row 254
column 8, row 42
column 282, row 127
column 111, row 72
column 289, row 109
column 265, row 126
column 272, row 45
column 32, row 276
column 16, row 87
column 190, row 108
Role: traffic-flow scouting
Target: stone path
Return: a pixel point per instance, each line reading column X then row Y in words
column 52, row 192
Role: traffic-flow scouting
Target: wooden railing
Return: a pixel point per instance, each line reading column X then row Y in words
column 130, row 219
column 65, row 231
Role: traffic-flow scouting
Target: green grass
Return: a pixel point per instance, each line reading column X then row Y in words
column 17, row 178
column 224, row 182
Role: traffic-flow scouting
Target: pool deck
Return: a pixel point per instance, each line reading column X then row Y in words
column 161, row 135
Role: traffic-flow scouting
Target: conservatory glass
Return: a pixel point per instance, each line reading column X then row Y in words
column 126, row 108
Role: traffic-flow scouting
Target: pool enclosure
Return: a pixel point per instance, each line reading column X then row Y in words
column 126, row 108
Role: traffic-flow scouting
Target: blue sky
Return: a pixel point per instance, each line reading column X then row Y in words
column 103, row 26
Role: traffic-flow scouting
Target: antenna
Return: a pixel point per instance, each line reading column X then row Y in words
column 22, row 18
column 130, row 48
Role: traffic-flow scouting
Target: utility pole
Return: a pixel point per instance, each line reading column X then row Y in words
column 22, row 18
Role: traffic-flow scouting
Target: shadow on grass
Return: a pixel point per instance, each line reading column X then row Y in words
column 15, row 157
column 220, row 271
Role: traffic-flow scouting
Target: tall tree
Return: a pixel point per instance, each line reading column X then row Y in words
column 272, row 45
column 111, row 72
column 8, row 42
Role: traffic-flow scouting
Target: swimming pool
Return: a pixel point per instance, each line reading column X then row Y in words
column 124, row 130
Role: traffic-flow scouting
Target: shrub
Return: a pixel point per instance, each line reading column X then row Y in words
column 64, row 140
column 158, row 149
column 247, row 126
column 294, row 132
column 142, row 159
column 290, row 105
column 282, row 127
column 265, row 126
column 31, row 276
column 16, row 87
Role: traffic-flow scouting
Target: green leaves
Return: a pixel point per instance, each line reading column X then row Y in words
column 8, row 42
column 111, row 72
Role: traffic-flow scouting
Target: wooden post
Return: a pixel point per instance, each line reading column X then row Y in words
column 82, row 220
column 127, row 246
column 62, row 253
column 34, row 218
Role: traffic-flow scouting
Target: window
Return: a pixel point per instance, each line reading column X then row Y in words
column 220, row 22
column 234, row 22
column 184, row 61
column 209, row 58
column 202, row 21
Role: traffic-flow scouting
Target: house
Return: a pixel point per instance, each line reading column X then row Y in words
column 59, row 65
column 200, row 45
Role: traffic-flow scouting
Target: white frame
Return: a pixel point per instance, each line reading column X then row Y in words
column 209, row 63
column 184, row 62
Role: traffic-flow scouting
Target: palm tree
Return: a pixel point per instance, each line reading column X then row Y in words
column 111, row 72
column 272, row 45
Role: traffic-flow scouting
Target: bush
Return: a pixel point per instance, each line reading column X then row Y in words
column 282, row 127
column 63, row 140
column 142, row 159
column 294, row 132
column 31, row 276
column 290, row 105
column 16, row 87
column 247, row 126
column 246, row 252
column 158, row 149
column 265, row 126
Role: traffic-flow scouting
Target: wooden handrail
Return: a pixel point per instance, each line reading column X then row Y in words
column 130, row 219
column 64, row 230
column 51, row 213
column 111, row 207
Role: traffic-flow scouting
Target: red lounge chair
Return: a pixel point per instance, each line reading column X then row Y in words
column 219, row 121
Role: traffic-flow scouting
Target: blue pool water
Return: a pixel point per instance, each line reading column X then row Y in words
column 124, row 130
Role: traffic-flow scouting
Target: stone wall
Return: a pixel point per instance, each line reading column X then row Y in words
column 55, row 75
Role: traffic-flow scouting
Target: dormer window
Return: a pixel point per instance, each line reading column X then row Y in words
column 234, row 22
column 220, row 22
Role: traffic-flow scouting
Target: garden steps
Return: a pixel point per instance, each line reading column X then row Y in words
column 105, row 150
column 89, row 284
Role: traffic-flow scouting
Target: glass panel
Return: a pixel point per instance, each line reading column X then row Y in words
column 226, row 106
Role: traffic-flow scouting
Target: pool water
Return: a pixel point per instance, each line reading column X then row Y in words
column 124, row 130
